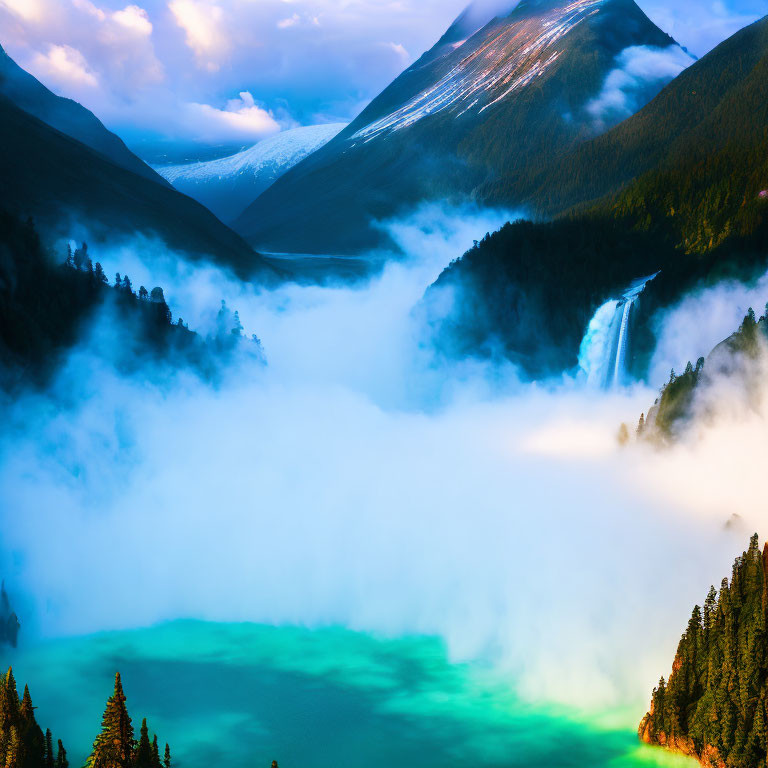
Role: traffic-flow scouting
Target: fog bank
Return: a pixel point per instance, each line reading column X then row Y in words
column 355, row 482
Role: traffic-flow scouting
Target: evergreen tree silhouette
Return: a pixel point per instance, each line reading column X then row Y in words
column 143, row 755
column 155, row 753
column 113, row 747
column 61, row 757
column 50, row 759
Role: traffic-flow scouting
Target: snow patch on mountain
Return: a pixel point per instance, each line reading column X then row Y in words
column 509, row 58
column 281, row 151
column 228, row 185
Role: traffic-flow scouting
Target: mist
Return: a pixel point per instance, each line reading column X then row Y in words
column 357, row 481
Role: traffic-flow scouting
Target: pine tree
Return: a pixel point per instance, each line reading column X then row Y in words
column 9, row 702
column 50, row 760
column 237, row 330
column 113, row 747
column 750, row 321
column 143, row 756
column 155, row 753
column 31, row 734
column 717, row 695
column 61, row 758
column 167, row 757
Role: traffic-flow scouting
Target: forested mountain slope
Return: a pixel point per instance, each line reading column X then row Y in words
column 713, row 706
column 701, row 215
column 66, row 116
column 697, row 152
column 506, row 100
column 62, row 183
column 46, row 307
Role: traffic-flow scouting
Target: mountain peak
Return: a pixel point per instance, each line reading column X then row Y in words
column 509, row 86
column 507, row 56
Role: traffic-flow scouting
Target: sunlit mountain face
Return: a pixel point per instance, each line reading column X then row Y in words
column 505, row 60
column 471, row 118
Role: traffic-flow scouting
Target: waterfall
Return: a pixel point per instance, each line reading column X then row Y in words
column 604, row 349
column 621, row 344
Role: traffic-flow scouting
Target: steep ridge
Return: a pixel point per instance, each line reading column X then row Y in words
column 739, row 360
column 712, row 707
column 228, row 185
column 60, row 182
column 717, row 105
column 701, row 215
column 66, row 116
column 509, row 98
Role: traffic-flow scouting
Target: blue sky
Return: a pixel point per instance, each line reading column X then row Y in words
column 219, row 71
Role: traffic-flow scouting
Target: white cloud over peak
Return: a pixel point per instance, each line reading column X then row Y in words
column 28, row 10
column 241, row 120
column 639, row 71
column 64, row 66
column 203, row 22
column 134, row 18
column 308, row 61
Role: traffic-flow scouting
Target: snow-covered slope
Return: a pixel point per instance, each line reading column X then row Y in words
column 226, row 186
column 507, row 60
column 475, row 118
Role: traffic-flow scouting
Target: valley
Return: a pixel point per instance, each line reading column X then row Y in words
column 324, row 446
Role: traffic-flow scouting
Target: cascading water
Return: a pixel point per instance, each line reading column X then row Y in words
column 604, row 349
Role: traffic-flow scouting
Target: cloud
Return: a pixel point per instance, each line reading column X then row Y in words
column 153, row 57
column 640, row 72
column 356, row 483
column 695, row 326
column 203, row 23
column 400, row 51
column 64, row 65
column 291, row 21
column 701, row 26
column 89, row 52
column 240, row 120
column 134, row 18
column 29, row 10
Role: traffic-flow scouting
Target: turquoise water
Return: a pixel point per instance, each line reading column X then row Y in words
column 243, row 695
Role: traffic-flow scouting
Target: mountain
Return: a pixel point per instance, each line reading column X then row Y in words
column 712, row 116
column 65, row 185
column 713, row 706
column 508, row 98
column 66, row 116
column 739, row 360
column 47, row 307
column 698, row 214
column 228, row 185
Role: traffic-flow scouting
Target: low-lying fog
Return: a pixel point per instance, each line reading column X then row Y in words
column 355, row 482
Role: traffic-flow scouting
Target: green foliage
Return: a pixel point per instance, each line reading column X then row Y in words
column 22, row 742
column 528, row 291
column 675, row 188
column 115, row 746
column 46, row 307
column 715, row 698
column 24, row 745
column 675, row 404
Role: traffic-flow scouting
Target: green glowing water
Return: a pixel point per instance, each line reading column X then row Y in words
column 243, row 695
